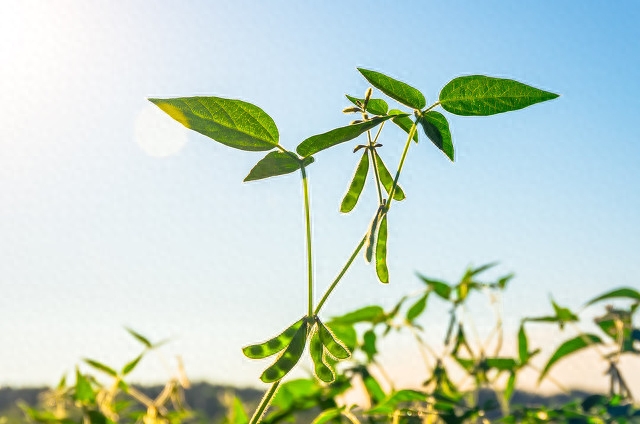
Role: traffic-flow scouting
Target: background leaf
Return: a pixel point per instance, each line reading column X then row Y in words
column 395, row 89
column 479, row 95
column 436, row 127
column 624, row 292
column 417, row 308
column 569, row 347
column 367, row 314
column 234, row 123
column 276, row 163
column 319, row 142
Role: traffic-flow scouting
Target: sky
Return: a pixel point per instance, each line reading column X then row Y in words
column 113, row 215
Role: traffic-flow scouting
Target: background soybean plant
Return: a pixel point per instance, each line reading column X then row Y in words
column 244, row 126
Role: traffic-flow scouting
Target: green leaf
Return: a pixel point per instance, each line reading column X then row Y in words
column 502, row 364
column 391, row 403
column 440, row 288
column 367, row 314
column 345, row 333
column 83, row 392
column 139, row 337
column 357, row 184
column 101, row 367
column 436, row 127
column 624, row 292
column 563, row 314
column 369, row 344
column 374, row 106
column 511, row 385
column 328, row 415
column 386, row 179
column 131, row 365
column 274, row 345
column 482, row 268
column 236, row 413
column 276, row 163
column 417, row 308
column 334, row 347
column 321, row 370
column 316, row 143
column 403, row 121
column 523, row 346
column 381, row 252
column 288, row 358
column 479, row 95
column 234, row 123
column 395, row 89
column 373, row 388
column 569, row 347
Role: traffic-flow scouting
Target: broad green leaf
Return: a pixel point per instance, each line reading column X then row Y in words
column 131, row 365
column 395, row 89
column 502, row 364
column 417, row 308
column 83, row 391
column 294, row 389
column 334, row 347
column 569, row 347
column 288, row 358
column 442, row 289
column 321, row 370
column 236, row 413
column 404, row 122
column 523, row 346
column 436, row 127
column 276, row 163
column 369, row 344
column 328, row 415
column 479, row 95
column 274, row 345
column 316, row 143
column 374, row 106
column 624, row 292
column 386, row 179
column 357, row 183
column 139, row 337
column 234, row 123
column 381, row 252
column 344, row 332
column 391, row 403
column 367, row 314
column 101, row 367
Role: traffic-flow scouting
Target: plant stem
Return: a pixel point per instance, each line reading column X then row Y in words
column 340, row 275
column 412, row 132
column 372, row 153
column 264, row 403
column 307, row 218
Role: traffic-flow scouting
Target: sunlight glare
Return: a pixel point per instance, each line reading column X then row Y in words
column 157, row 134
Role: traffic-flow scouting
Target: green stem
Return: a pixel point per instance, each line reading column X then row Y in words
column 375, row 166
column 412, row 131
column 264, row 403
column 307, row 218
column 339, row 277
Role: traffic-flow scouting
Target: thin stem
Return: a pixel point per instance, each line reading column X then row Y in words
column 307, row 218
column 340, row 275
column 264, row 403
column 412, row 132
column 372, row 153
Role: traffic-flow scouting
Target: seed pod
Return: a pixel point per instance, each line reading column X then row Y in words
column 351, row 109
column 322, row 371
column 381, row 252
column 357, row 121
column 357, row 184
column 371, row 236
column 287, row 359
column 386, row 179
column 334, row 347
column 274, row 345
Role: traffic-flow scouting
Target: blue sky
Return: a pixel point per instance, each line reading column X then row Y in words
column 98, row 233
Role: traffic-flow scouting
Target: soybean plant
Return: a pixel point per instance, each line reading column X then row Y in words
column 244, row 126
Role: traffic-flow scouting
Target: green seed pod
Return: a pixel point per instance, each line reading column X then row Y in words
column 334, row 347
column 287, row 359
column 274, row 345
column 351, row 109
column 371, row 235
column 322, row 371
column 357, row 184
column 381, row 252
column 387, row 179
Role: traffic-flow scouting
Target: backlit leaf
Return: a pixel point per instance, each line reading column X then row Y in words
column 139, row 337
column 417, row 308
column 374, row 106
column 436, row 127
column 624, row 292
column 357, row 184
column 403, row 121
column 101, row 367
column 131, row 365
column 316, row 143
column 442, row 289
column 276, row 163
column 369, row 344
column 523, row 346
column 367, row 314
column 569, row 347
column 83, row 391
column 395, row 89
column 234, row 123
column 479, row 95
column 321, row 370
column 334, row 347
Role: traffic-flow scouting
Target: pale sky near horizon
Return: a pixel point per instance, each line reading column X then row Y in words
column 112, row 215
